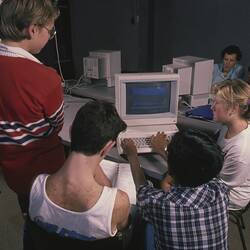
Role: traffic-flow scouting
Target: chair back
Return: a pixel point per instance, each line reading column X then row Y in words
column 43, row 240
column 236, row 216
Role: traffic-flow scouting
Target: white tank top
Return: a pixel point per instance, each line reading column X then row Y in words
column 92, row 224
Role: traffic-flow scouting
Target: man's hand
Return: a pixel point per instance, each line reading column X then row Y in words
column 130, row 150
column 166, row 183
column 159, row 143
column 129, row 147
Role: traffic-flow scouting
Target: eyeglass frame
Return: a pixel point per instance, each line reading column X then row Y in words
column 52, row 32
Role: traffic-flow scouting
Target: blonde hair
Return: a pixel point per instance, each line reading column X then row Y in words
column 17, row 15
column 234, row 92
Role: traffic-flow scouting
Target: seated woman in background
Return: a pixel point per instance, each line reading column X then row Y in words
column 231, row 107
column 229, row 68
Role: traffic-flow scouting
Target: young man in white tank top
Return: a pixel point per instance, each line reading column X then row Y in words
column 78, row 200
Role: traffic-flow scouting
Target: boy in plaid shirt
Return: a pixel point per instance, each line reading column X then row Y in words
column 190, row 212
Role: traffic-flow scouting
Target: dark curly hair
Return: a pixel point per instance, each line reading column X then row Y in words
column 193, row 158
column 232, row 49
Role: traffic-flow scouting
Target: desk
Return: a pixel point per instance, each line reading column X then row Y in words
column 99, row 91
column 71, row 106
column 209, row 127
column 153, row 164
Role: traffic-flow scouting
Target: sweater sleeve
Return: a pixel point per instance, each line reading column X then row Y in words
column 53, row 101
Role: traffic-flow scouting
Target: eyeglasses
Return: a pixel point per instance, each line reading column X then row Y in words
column 52, row 32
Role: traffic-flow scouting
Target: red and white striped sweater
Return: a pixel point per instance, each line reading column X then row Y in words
column 31, row 116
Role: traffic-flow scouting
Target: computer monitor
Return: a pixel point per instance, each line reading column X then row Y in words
column 202, row 72
column 185, row 73
column 147, row 98
column 102, row 64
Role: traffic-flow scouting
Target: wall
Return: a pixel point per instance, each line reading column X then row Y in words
column 150, row 32
column 48, row 55
column 111, row 24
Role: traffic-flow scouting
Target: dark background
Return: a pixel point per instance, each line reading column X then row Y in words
column 148, row 32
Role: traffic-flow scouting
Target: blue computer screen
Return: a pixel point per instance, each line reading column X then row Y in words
column 148, row 97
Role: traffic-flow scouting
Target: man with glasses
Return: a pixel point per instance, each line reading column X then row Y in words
column 31, row 97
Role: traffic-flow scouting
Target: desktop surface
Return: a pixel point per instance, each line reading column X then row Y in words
column 71, row 106
column 96, row 91
column 208, row 126
column 108, row 93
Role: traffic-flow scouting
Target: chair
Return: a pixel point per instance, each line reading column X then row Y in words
column 236, row 216
column 43, row 240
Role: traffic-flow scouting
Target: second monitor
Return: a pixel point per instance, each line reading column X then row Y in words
column 102, row 64
column 185, row 74
column 195, row 78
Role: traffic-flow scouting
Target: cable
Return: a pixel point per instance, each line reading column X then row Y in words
column 187, row 104
column 58, row 60
column 65, row 83
column 74, row 84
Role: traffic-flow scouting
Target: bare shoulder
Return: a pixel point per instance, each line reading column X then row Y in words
column 121, row 210
column 122, row 199
column 122, row 202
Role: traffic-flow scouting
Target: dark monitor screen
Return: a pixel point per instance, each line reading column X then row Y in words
column 148, row 97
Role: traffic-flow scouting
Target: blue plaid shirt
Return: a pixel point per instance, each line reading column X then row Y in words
column 187, row 218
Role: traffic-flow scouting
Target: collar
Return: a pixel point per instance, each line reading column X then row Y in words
column 6, row 50
column 230, row 73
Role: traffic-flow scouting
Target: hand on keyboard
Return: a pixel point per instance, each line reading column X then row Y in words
column 129, row 147
column 159, row 142
column 167, row 183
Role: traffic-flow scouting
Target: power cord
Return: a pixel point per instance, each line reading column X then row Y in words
column 74, row 84
column 70, row 83
column 58, row 61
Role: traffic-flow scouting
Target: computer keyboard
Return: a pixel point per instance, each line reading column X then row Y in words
column 142, row 142
column 142, row 138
